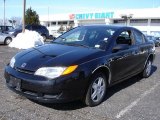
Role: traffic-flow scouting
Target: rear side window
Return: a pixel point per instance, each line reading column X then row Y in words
column 138, row 37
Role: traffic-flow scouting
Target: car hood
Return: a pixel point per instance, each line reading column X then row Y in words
column 55, row 55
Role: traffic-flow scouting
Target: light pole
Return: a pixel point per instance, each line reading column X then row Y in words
column 24, row 9
column 4, row 14
column 48, row 18
column 127, row 18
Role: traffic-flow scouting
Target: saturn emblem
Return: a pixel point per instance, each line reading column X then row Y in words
column 23, row 65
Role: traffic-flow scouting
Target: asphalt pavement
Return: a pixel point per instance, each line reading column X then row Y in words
column 133, row 99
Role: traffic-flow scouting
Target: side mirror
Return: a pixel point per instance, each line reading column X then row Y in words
column 120, row 47
column 101, row 44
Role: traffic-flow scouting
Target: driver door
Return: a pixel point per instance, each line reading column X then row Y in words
column 123, row 61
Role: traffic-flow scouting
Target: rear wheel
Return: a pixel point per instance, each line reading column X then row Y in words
column 147, row 70
column 7, row 41
column 97, row 90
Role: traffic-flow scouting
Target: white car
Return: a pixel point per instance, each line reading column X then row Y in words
column 5, row 38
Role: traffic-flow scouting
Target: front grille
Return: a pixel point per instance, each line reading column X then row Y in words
column 36, row 94
column 24, row 71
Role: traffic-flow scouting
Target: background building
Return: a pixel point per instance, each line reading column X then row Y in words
column 146, row 20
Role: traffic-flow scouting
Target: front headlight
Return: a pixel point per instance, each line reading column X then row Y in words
column 54, row 72
column 12, row 62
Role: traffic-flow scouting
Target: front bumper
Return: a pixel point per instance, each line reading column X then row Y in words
column 63, row 89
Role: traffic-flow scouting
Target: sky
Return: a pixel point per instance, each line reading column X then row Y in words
column 14, row 8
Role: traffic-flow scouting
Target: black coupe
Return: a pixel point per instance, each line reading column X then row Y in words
column 80, row 64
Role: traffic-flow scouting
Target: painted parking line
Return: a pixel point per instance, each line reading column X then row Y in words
column 134, row 103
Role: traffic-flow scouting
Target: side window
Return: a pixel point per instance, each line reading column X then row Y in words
column 10, row 28
column 124, row 37
column 138, row 37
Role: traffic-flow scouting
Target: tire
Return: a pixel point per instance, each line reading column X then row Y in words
column 44, row 38
column 7, row 41
column 147, row 70
column 96, row 90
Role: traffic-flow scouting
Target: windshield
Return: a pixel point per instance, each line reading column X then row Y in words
column 86, row 36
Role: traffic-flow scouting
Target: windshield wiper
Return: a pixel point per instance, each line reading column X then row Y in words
column 64, row 39
column 82, row 45
column 58, row 43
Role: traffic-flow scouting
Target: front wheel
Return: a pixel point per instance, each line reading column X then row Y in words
column 7, row 41
column 147, row 69
column 97, row 90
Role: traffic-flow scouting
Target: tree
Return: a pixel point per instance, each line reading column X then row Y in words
column 31, row 17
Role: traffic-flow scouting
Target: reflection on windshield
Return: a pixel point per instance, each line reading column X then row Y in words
column 86, row 36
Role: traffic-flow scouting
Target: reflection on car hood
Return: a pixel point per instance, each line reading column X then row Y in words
column 55, row 55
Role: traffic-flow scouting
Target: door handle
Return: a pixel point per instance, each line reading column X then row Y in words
column 116, row 58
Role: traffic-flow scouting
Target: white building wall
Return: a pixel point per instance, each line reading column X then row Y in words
column 137, row 14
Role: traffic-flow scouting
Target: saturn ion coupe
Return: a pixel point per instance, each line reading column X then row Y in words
column 80, row 64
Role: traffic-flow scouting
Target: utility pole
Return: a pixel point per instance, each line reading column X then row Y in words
column 4, row 14
column 24, row 10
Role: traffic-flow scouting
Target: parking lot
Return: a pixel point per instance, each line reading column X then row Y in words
column 134, row 99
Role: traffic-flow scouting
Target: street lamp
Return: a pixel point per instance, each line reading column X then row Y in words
column 24, row 9
column 4, row 14
column 127, row 18
column 48, row 17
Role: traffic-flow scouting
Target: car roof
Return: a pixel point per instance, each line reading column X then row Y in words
column 109, row 26
column 149, row 36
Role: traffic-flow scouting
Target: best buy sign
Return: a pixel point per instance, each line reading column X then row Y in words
column 92, row 16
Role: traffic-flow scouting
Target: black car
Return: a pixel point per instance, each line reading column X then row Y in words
column 42, row 30
column 154, row 39
column 80, row 64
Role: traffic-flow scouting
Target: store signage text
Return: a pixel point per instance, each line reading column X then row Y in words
column 92, row 16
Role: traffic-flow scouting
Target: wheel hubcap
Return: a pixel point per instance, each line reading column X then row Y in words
column 148, row 69
column 98, row 89
column 8, row 41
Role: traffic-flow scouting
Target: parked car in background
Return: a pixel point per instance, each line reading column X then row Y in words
column 42, row 30
column 5, row 38
column 152, row 38
column 157, row 38
column 4, row 29
column 81, row 64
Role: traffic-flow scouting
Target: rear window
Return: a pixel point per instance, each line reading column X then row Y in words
column 138, row 37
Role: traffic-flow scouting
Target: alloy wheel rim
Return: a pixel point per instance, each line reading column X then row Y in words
column 98, row 89
column 8, row 41
column 148, row 69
